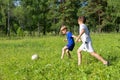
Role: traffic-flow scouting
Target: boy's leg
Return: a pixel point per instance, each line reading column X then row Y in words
column 68, row 53
column 79, row 56
column 98, row 57
column 63, row 51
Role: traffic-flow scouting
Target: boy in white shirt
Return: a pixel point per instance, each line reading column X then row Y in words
column 84, row 36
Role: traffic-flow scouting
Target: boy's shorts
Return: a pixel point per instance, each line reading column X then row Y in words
column 70, row 47
column 87, row 46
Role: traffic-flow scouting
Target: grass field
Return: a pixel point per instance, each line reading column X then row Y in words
column 16, row 63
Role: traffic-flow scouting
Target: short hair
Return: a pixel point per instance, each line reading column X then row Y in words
column 82, row 18
column 63, row 27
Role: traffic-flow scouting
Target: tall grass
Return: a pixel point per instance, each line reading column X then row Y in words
column 16, row 63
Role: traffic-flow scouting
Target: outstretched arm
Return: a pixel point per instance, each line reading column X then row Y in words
column 74, row 36
column 82, row 31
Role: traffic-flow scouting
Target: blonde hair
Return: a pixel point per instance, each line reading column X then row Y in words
column 63, row 27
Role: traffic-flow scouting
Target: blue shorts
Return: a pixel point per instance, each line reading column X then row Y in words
column 70, row 47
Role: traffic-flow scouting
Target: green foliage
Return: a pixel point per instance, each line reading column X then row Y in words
column 48, row 15
column 16, row 63
column 20, row 32
column 63, row 13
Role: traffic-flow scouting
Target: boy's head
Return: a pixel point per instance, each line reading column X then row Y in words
column 63, row 29
column 81, row 19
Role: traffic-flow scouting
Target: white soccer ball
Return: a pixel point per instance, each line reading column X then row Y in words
column 34, row 57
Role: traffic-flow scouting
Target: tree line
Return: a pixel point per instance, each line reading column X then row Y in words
column 31, row 17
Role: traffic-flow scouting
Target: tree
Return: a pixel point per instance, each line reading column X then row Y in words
column 113, row 14
column 3, row 15
column 36, row 12
column 95, row 12
column 63, row 12
column 48, row 15
column 19, row 16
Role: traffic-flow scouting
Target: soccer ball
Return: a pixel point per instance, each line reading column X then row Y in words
column 34, row 57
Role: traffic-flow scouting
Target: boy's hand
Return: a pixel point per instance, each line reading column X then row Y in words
column 65, row 40
column 78, row 40
column 74, row 36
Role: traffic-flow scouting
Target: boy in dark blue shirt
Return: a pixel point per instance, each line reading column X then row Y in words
column 70, row 45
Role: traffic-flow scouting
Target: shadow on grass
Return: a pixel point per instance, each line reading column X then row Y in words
column 113, row 59
column 118, row 47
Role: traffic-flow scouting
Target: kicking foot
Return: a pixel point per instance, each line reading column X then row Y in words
column 107, row 63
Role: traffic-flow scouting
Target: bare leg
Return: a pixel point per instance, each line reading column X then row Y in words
column 63, row 51
column 99, row 57
column 79, row 56
column 68, row 53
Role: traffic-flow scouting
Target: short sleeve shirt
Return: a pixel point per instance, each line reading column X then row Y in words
column 86, row 35
column 70, row 38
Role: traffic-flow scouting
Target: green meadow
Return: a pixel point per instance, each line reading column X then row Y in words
column 16, row 63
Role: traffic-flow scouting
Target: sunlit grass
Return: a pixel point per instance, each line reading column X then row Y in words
column 16, row 63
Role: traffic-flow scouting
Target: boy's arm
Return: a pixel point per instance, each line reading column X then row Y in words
column 82, row 31
column 74, row 36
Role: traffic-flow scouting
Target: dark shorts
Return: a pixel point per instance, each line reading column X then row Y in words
column 70, row 47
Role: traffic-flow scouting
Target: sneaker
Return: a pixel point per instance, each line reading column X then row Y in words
column 107, row 64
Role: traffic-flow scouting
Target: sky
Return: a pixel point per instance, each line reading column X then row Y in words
column 17, row 3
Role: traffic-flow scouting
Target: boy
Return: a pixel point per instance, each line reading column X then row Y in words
column 70, row 45
column 84, row 35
